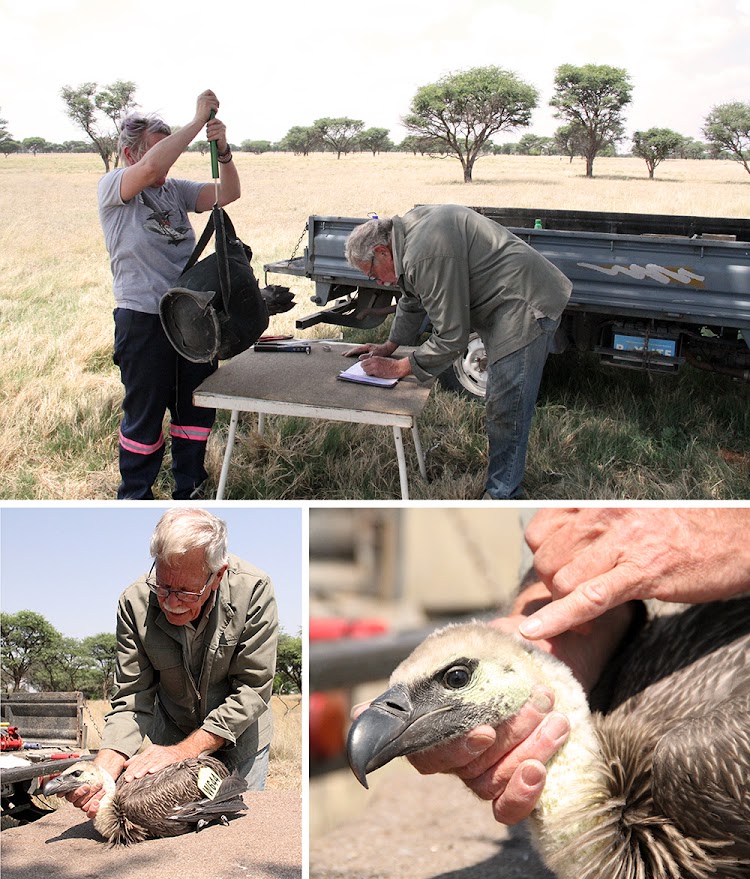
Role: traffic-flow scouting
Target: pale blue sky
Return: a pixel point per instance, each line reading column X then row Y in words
column 274, row 65
column 70, row 563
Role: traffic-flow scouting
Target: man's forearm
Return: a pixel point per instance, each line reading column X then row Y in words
column 202, row 742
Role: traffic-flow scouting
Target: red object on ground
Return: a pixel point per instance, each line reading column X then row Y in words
column 10, row 740
column 329, row 711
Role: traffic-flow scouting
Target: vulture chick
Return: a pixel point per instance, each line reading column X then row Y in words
column 183, row 796
column 654, row 787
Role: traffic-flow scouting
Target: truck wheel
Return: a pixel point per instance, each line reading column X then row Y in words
column 467, row 375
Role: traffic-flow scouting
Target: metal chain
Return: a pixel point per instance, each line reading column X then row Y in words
column 296, row 246
column 476, row 551
column 93, row 721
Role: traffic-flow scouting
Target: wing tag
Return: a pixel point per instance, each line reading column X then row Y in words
column 208, row 782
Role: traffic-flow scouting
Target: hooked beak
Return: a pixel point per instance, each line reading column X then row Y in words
column 391, row 727
column 61, row 785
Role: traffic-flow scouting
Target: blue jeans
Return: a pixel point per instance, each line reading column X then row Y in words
column 512, row 388
column 255, row 769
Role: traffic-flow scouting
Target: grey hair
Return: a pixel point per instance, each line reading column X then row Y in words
column 181, row 530
column 361, row 244
column 134, row 130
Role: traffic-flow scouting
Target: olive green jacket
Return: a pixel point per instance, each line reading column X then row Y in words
column 157, row 696
column 468, row 273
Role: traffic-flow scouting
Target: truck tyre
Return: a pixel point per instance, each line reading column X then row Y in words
column 467, row 375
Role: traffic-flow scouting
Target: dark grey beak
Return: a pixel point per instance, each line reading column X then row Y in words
column 391, row 727
column 61, row 785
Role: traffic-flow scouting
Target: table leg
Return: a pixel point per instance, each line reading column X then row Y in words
column 227, row 455
column 418, row 448
column 399, row 440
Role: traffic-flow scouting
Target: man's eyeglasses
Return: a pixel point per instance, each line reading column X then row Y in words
column 165, row 591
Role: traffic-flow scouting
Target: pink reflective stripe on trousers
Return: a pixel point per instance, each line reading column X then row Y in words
column 186, row 431
column 141, row 448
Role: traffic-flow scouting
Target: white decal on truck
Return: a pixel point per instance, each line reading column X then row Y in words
column 653, row 271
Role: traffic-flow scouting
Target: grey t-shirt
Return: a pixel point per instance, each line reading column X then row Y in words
column 147, row 249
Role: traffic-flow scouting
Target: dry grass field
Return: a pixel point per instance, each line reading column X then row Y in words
column 597, row 435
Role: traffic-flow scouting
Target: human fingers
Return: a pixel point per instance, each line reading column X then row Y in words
column 540, row 745
column 543, row 524
column 86, row 796
column 473, row 754
column 456, row 754
column 215, row 129
column 521, row 794
column 356, row 351
column 587, row 602
column 207, row 101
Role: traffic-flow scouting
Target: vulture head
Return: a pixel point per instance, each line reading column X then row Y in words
column 458, row 678
column 655, row 788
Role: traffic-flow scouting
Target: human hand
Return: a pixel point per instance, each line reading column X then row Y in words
column 217, row 130
column 154, row 759
column 385, row 367
column 87, row 797
column 592, row 560
column 505, row 764
column 207, row 101
column 383, row 349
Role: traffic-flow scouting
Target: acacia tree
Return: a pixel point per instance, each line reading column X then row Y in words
column 342, row 133
column 301, row 139
column 727, row 127
column 25, row 635
column 288, row 664
column 85, row 104
column 592, row 98
column 461, row 111
column 101, row 653
column 7, row 144
column 376, row 140
column 655, row 145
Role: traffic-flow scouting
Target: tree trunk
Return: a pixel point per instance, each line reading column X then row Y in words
column 589, row 166
column 467, row 171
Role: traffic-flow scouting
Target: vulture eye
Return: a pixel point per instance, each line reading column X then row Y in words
column 457, row 677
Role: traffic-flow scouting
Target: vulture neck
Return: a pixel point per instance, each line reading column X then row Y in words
column 574, row 775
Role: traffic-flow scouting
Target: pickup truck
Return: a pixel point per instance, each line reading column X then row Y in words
column 650, row 292
column 43, row 734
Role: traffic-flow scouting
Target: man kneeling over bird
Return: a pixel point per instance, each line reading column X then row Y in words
column 196, row 656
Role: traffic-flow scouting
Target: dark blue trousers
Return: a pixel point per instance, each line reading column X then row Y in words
column 156, row 379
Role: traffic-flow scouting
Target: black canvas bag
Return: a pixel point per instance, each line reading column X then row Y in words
column 216, row 308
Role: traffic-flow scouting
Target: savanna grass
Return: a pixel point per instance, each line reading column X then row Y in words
column 598, row 433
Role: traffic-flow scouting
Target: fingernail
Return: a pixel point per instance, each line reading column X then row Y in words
column 542, row 701
column 557, row 727
column 532, row 775
column 478, row 744
column 530, row 627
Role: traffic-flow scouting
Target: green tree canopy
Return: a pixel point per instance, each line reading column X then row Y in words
column 101, row 653
column 25, row 635
column 341, row 134
column 655, row 145
column 462, row 111
column 376, row 140
column 87, row 103
column 592, row 98
column 727, row 127
column 301, row 139
column 288, row 664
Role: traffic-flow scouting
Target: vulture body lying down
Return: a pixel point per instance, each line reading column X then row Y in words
column 653, row 787
column 185, row 796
